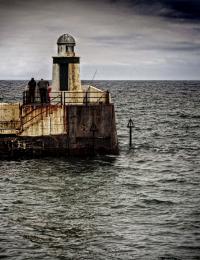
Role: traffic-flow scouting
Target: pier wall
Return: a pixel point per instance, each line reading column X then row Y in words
column 43, row 120
column 92, row 128
column 9, row 118
column 62, row 130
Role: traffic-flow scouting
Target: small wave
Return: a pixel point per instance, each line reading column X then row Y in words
column 168, row 180
column 145, row 146
column 169, row 257
column 118, row 206
column 157, row 202
column 18, row 202
column 195, row 213
column 132, row 185
column 196, row 116
column 38, row 238
column 177, row 180
column 184, row 115
column 190, row 247
column 141, row 161
column 189, row 116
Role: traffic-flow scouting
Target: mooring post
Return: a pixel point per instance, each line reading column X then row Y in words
column 130, row 126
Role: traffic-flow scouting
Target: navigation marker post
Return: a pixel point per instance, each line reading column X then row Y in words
column 130, row 126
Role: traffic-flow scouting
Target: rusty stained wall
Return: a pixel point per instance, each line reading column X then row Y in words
column 55, row 78
column 75, row 84
column 74, row 77
column 9, row 111
column 80, row 121
column 43, row 120
column 9, row 117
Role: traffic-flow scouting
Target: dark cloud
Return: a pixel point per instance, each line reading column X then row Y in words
column 173, row 9
column 184, row 10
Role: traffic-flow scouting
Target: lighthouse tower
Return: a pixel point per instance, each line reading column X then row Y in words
column 66, row 69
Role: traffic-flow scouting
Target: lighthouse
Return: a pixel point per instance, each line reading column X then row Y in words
column 66, row 66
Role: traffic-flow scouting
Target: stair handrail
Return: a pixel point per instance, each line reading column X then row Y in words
column 48, row 105
column 37, row 107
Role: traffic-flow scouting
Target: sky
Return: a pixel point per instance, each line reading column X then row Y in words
column 120, row 39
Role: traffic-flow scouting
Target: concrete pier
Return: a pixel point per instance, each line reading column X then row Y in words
column 77, row 120
column 65, row 131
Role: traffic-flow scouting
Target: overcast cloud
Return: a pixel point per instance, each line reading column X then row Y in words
column 127, row 39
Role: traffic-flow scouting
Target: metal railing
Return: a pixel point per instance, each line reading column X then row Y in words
column 49, row 103
column 48, row 109
column 67, row 98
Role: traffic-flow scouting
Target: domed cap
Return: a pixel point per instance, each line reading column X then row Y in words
column 66, row 39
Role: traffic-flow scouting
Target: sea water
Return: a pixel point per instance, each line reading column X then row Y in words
column 142, row 204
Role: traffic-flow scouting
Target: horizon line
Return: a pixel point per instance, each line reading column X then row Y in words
column 113, row 79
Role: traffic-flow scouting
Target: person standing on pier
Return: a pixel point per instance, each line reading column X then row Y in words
column 43, row 85
column 31, row 90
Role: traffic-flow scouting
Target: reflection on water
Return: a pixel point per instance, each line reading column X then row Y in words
column 142, row 204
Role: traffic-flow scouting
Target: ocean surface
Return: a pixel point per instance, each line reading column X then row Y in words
column 142, row 204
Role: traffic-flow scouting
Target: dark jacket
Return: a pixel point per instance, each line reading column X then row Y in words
column 43, row 84
column 32, row 85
